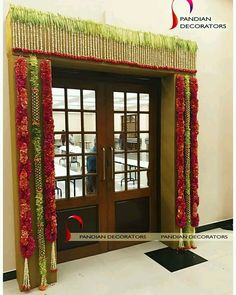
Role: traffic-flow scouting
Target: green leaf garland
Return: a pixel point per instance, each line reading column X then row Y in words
column 36, row 139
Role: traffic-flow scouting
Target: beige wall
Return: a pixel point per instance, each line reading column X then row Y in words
column 215, row 81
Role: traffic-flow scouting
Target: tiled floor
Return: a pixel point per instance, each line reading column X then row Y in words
column 130, row 272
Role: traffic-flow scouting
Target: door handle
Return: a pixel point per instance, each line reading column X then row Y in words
column 104, row 163
column 112, row 163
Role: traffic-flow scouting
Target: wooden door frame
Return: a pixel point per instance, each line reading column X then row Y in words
column 95, row 81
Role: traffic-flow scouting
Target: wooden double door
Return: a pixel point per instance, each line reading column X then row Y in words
column 106, row 157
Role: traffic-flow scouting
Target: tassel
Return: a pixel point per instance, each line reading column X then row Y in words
column 26, row 279
column 53, row 257
column 193, row 245
column 43, row 285
column 181, row 241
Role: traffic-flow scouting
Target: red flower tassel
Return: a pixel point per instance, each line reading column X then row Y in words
column 27, row 241
column 48, row 147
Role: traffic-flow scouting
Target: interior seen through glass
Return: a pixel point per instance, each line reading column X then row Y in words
column 74, row 112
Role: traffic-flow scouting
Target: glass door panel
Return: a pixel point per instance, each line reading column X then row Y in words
column 75, row 118
column 131, row 140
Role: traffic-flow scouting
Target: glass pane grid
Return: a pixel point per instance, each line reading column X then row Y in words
column 71, row 143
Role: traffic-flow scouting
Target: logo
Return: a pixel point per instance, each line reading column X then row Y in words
column 175, row 19
column 77, row 218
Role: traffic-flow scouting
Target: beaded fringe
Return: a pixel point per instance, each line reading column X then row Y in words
column 193, row 245
column 53, row 257
column 43, row 285
column 181, row 241
column 26, row 279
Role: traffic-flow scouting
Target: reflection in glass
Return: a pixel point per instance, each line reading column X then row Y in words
column 118, row 101
column 118, row 122
column 144, row 122
column 75, row 165
column 144, row 179
column 60, row 166
column 144, row 141
column 89, row 100
column 59, row 121
column 76, row 187
column 144, row 102
column 74, row 121
column 60, row 189
column 89, row 121
column 58, row 100
column 119, row 182
column 91, row 182
column 144, row 160
column 119, row 162
column 132, row 101
column 73, row 98
column 90, row 143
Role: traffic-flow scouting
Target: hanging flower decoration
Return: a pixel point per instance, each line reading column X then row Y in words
column 194, row 153
column 27, row 241
column 48, row 148
column 180, row 109
column 36, row 139
column 187, row 158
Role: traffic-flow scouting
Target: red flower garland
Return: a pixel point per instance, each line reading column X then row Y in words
column 48, row 147
column 27, row 241
column 103, row 60
column 180, row 108
column 194, row 152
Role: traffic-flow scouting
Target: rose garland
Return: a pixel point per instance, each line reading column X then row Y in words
column 36, row 139
column 49, row 172
column 188, row 228
column 180, row 201
column 27, row 242
column 194, row 152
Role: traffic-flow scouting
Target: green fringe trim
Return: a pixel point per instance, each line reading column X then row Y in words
column 76, row 25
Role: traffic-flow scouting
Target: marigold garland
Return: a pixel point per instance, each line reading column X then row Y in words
column 27, row 241
column 48, row 147
column 194, row 152
column 36, row 139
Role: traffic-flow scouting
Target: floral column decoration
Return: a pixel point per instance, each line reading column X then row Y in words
column 187, row 201
column 48, row 148
column 36, row 139
column 27, row 241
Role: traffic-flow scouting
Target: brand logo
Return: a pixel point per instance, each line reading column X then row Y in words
column 77, row 218
column 175, row 19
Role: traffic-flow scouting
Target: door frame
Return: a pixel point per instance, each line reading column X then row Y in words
column 97, row 81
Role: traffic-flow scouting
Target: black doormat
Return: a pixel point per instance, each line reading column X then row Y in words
column 174, row 260
column 228, row 226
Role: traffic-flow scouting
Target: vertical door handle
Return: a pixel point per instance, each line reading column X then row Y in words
column 104, row 163
column 112, row 163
